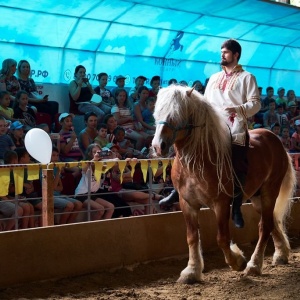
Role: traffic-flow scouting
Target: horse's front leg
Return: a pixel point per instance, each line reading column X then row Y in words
column 233, row 255
column 193, row 272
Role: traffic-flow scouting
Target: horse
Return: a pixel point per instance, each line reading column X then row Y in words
column 202, row 174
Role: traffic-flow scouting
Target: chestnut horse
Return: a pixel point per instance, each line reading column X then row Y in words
column 202, row 174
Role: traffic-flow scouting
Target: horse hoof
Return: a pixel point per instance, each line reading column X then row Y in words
column 280, row 261
column 189, row 277
column 252, row 271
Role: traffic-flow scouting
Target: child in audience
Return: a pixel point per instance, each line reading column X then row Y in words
column 295, row 144
column 126, row 147
column 23, row 111
column 69, row 147
column 147, row 115
column 107, row 98
column 7, row 206
column 5, row 110
column 270, row 116
column 6, row 143
column 285, row 138
column 102, row 209
column 282, row 118
column 275, row 128
column 71, row 207
column 17, row 133
column 102, row 139
column 155, row 86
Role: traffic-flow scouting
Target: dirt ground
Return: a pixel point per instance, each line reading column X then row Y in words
column 157, row 280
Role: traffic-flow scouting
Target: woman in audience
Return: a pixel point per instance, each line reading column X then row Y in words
column 139, row 107
column 112, row 124
column 22, row 111
column 27, row 84
column 89, row 133
column 80, row 94
column 124, row 118
column 8, row 81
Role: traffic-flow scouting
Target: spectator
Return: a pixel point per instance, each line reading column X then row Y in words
column 292, row 115
column 197, row 84
column 270, row 115
column 22, row 111
column 133, row 92
column 71, row 207
column 35, row 100
column 17, row 133
column 112, row 124
column 172, row 81
column 80, row 94
column 69, row 146
column 120, row 82
column 8, row 81
column 282, row 118
column 269, row 97
column 5, row 110
column 280, row 99
column 155, row 86
column 285, row 138
column 106, row 95
column 125, row 145
column 6, row 143
column 101, row 139
column 275, row 128
column 89, row 133
column 147, row 115
column 102, row 209
column 124, row 118
column 291, row 97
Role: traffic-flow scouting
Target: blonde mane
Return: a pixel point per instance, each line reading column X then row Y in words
column 208, row 139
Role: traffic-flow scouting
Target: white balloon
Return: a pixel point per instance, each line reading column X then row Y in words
column 39, row 145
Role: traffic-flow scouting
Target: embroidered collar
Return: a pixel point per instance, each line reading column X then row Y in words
column 236, row 69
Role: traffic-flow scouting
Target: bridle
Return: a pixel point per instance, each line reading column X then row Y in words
column 175, row 129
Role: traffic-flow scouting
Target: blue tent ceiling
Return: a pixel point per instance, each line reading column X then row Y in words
column 268, row 32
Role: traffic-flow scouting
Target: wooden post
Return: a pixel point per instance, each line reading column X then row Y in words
column 47, row 198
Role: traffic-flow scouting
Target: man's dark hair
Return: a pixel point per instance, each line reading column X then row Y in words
column 233, row 46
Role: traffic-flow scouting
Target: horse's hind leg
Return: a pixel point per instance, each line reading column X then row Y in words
column 233, row 255
column 193, row 272
column 266, row 224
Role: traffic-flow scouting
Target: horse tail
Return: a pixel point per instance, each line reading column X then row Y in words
column 283, row 201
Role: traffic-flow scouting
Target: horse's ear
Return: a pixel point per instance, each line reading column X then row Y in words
column 189, row 93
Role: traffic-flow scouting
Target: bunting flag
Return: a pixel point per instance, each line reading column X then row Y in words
column 165, row 164
column 4, row 181
column 122, row 164
column 99, row 169
column 154, row 166
column 132, row 164
column 144, row 167
column 18, row 180
column 33, row 172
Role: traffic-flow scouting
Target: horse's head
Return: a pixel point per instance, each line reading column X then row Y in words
column 173, row 118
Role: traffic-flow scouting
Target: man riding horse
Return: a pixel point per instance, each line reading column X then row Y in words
column 234, row 91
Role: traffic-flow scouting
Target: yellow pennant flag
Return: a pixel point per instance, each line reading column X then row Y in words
column 109, row 164
column 154, row 166
column 4, row 181
column 33, row 172
column 98, row 170
column 18, row 180
column 132, row 163
column 122, row 164
column 144, row 167
column 165, row 164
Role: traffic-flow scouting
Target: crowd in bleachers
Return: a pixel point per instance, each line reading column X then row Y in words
column 117, row 125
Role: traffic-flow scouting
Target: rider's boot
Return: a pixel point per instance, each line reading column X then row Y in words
column 237, row 216
column 170, row 199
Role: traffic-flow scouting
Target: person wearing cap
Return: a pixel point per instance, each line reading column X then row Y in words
column 120, row 82
column 133, row 92
column 280, row 99
column 17, row 133
column 69, row 147
column 292, row 113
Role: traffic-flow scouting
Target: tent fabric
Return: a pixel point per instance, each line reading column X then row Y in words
column 170, row 38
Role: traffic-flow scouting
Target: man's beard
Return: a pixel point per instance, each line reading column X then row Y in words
column 224, row 62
